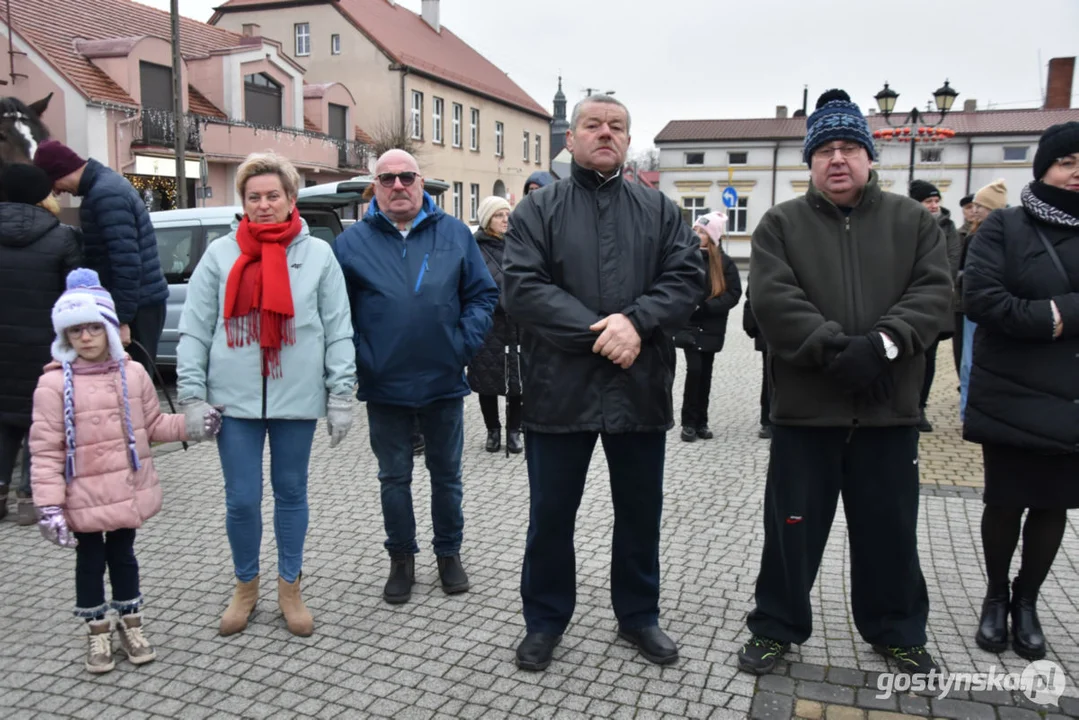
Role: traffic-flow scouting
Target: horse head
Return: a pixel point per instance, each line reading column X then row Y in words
column 21, row 129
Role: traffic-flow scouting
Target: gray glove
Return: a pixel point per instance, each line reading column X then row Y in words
column 338, row 417
column 202, row 420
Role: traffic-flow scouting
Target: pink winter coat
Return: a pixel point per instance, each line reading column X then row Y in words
column 106, row 492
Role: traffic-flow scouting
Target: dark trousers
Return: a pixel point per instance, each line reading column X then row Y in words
column 12, row 438
column 930, row 372
column 489, row 408
column 146, row 329
column 766, row 391
column 698, row 387
column 96, row 551
column 557, row 466
column 876, row 472
column 957, row 343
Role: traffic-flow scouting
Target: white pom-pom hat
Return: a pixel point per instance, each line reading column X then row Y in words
column 84, row 301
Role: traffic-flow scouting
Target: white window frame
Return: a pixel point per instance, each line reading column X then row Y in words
column 527, row 146
column 730, row 160
column 1006, row 148
column 474, row 202
column 301, row 33
column 458, row 116
column 458, row 190
column 925, row 155
column 474, row 130
column 689, row 164
column 437, row 108
column 500, row 134
column 335, row 44
column 417, row 115
column 539, row 149
column 739, row 216
column 696, row 207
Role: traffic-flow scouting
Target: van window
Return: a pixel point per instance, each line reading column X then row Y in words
column 174, row 247
column 322, row 233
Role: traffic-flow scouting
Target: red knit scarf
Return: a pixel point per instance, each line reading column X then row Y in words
column 258, row 296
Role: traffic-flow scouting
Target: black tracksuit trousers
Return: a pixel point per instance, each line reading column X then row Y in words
column 875, row 470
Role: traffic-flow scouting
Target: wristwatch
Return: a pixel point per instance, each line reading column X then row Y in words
column 891, row 350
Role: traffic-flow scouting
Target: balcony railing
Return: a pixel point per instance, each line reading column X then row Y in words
column 157, row 128
column 352, row 154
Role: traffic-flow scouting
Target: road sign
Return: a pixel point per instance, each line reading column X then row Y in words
column 730, row 196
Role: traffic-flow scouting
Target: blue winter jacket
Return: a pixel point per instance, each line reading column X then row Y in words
column 421, row 306
column 119, row 241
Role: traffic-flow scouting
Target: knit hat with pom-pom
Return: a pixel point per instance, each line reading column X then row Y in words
column 836, row 118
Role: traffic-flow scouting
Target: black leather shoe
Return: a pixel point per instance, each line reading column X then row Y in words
column 514, row 442
column 652, row 643
column 689, row 434
column 494, row 440
column 452, row 574
column 535, row 651
column 705, row 433
column 992, row 635
column 1028, row 641
column 402, row 575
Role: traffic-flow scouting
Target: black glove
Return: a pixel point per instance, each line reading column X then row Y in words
column 860, row 361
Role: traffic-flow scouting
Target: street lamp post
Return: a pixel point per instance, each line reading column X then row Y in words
column 944, row 97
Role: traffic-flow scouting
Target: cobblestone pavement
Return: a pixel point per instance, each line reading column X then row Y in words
column 451, row 657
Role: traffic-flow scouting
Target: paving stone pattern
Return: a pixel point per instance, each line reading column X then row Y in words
column 452, row 657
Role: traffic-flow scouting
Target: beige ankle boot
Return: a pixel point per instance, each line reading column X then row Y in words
column 297, row 617
column 132, row 642
column 99, row 652
column 239, row 610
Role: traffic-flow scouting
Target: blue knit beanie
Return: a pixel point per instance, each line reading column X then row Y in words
column 836, row 118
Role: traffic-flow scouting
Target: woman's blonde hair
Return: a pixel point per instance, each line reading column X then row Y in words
column 268, row 163
column 51, row 204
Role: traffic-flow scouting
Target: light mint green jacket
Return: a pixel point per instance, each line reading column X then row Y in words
column 322, row 361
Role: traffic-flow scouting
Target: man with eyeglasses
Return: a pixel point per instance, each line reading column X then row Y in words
column 850, row 286
column 422, row 302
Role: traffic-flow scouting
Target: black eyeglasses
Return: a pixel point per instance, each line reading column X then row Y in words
column 407, row 178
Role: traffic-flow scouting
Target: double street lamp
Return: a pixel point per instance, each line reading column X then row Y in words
column 915, row 126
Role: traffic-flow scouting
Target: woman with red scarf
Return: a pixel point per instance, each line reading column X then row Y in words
column 266, row 335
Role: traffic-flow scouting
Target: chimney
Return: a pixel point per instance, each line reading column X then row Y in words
column 781, row 112
column 250, row 30
column 430, row 14
column 970, row 105
column 1058, row 91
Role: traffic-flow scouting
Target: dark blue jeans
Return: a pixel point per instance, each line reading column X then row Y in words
column 240, row 446
column 96, row 551
column 442, row 424
column 557, row 466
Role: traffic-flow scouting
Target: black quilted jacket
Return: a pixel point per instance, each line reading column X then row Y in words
column 496, row 367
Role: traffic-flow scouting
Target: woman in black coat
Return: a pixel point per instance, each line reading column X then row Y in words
column 36, row 254
column 703, row 336
column 496, row 368
column 1021, row 287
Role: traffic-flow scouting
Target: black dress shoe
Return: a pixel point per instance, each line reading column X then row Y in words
column 652, row 643
column 452, row 574
column 1028, row 640
column 494, row 440
column 705, row 433
column 992, row 635
column 535, row 651
column 514, row 442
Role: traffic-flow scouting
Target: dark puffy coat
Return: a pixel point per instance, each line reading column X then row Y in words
column 707, row 326
column 496, row 367
column 817, row 273
column 749, row 325
column 36, row 254
column 578, row 251
column 119, row 241
column 1024, row 385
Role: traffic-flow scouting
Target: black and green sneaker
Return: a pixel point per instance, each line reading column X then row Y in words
column 760, row 654
column 911, row 660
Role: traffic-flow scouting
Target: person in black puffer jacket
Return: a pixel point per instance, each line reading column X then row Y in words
column 703, row 336
column 496, row 367
column 118, row 241
column 1021, row 287
column 36, row 254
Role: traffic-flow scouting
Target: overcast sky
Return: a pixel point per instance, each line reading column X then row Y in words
column 693, row 59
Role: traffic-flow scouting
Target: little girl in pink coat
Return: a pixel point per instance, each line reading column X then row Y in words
column 95, row 415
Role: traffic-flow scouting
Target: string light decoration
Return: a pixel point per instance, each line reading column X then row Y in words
column 163, row 190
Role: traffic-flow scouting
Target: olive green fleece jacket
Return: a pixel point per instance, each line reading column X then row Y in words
column 817, row 272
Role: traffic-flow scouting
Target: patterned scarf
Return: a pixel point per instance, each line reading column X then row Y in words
column 258, row 295
column 1051, row 205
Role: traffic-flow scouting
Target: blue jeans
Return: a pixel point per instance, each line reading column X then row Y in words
column 442, row 423
column 240, row 446
column 965, row 365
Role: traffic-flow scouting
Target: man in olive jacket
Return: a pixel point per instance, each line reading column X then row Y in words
column 598, row 273
column 850, row 285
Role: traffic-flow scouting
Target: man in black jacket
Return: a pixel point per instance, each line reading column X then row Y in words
column 850, row 285
column 598, row 274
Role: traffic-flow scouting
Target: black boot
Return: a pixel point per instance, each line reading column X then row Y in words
column 1027, row 638
column 494, row 440
column 452, row 574
column 992, row 633
column 402, row 575
column 514, row 443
